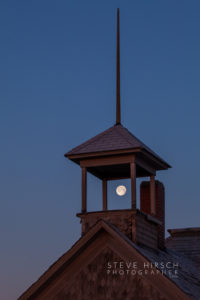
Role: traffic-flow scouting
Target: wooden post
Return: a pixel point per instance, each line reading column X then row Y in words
column 104, row 192
column 84, row 189
column 152, row 195
column 133, row 185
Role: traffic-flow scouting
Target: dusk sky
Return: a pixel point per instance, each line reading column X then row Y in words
column 57, row 75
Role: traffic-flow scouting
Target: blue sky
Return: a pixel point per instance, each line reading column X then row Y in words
column 57, row 90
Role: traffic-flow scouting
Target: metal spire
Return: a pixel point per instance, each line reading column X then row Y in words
column 118, row 108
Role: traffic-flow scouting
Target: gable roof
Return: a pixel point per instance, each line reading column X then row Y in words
column 188, row 279
column 114, row 138
column 187, row 284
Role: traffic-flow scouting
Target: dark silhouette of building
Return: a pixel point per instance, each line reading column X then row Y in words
column 122, row 254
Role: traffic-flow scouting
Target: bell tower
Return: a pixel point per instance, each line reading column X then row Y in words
column 117, row 154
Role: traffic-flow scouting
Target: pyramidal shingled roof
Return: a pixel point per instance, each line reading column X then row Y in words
column 116, row 137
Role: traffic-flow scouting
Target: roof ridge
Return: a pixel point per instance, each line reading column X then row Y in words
column 144, row 145
column 137, row 139
column 124, row 136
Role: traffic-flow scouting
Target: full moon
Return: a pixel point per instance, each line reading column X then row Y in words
column 121, row 190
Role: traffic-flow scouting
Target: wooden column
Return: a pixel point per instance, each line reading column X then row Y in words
column 104, row 193
column 84, row 189
column 152, row 195
column 133, row 185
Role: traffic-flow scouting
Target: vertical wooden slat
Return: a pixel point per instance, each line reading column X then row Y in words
column 152, row 195
column 104, row 192
column 84, row 189
column 133, row 185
